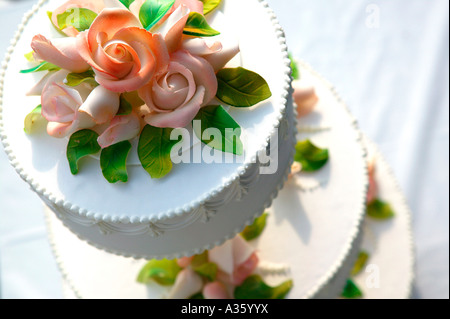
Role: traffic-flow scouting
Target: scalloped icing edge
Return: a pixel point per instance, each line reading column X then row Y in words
column 198, row 207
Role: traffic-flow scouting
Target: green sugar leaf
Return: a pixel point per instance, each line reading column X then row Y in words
column 253, row 231
column 255, row 288
column 164, row 272
column 214, row 119
column 29, row 56
column 154, row 10
column 32, row 119
column 75, row 79
column 81, row 144
column 125, row 107
column 209, row 5
column 44, row 66
column 351, row 291
column 294, row 68
column 378, row 209
column 198, row 295
column 127, row 3
column 199, row 259
column 207, row 270
column 310, row 156
column 241, row 88
column 197, row 25
column 154, row 150
column 360, row 263
column 49, row 15
column 113, row 161
column 79, row 18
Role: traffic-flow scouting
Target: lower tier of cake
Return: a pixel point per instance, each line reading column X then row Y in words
column 294, row 245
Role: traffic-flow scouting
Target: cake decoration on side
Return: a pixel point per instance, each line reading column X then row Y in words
column 224, row 272
column 129, row 70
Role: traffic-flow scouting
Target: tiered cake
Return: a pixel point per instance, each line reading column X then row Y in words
column 313, row 230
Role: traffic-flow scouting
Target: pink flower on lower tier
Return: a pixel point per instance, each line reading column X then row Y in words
column 124, row 56
column 215, row 290
column 372, row 192
column 121, row 128
column 174, row 98
column 236, row 260
column 69, row 109
column 305, row 97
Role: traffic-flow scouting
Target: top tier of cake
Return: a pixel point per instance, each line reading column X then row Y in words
column 191, row 189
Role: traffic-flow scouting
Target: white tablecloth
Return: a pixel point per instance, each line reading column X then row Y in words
column 389, row 59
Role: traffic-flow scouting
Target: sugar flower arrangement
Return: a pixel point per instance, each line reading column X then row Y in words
column 126, row 69
column 224, row 272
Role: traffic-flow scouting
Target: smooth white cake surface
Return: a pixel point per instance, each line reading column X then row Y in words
column 140, row 218
column 314, row 225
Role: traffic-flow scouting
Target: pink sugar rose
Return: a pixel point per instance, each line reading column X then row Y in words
column 215, row 290
column 187, row 283
column 124, row 56
column 236, row 260
column 174, row 98
column 121, row 128
column 373, row 187
column 62, row 52
column 69, row 109
column 305, row 97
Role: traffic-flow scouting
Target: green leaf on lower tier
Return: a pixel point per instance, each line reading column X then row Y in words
column 310, row 156
column 81, row 144
column 351, row 291
column 79, row 18
column 44, row 66
column 32, row 119
column 209, row 5
column 154, row 150
column 197, row 26
column 199, row 259
column 75, row 79
column 207, row 270
column 294, row 68
column 152, row 11
column 360, row 263
column 164, row 272
column 241, row 88
column 378, row 209
column 127, row 3
column 253, row 231
column 125, row 107
column 113, row 161
column 218, row 130
column 198, row 295
column 255, row 288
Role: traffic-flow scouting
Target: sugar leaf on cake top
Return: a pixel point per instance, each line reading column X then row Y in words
column 136, row 70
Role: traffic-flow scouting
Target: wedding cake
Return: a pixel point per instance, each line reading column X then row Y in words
column 127, row 107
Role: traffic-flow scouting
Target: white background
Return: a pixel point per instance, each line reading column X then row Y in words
column 389, row 59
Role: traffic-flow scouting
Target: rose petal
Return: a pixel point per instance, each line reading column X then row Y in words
column 230, row 47
column 201, row 46
column 59, row 103
column 245, row 269
column 180, row 117
column 215, row 290
column 122, row 128
column 62, row 52
column 36, row 90
column 203, row 72
column 172, row 28
column 101, row 105
column 193, row 5
column 222, row 256
column 372, row 192
column 186, row 284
